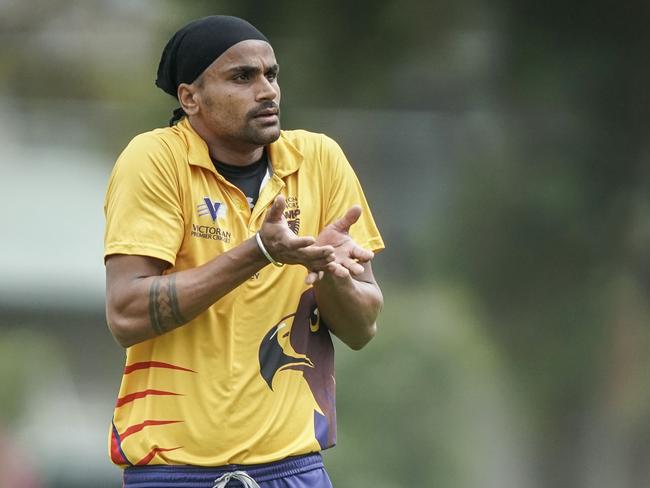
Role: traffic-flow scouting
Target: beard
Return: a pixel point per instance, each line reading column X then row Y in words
column 261, row 136
column 258, row 131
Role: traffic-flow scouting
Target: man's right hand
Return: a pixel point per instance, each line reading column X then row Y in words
column 286, row 247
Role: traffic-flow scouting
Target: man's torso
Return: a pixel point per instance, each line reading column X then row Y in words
column 250, row 380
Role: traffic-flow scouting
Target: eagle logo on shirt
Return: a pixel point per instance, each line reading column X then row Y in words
column 301, row 342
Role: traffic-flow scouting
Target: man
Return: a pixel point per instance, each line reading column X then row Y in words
column 216, row 285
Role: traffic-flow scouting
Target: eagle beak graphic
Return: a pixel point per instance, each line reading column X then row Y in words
column 273, row 357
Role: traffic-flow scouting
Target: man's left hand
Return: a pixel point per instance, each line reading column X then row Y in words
column 348, row 254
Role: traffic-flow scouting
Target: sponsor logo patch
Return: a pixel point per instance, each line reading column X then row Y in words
column 292, row 214
column 215, row 210
column 212, row 208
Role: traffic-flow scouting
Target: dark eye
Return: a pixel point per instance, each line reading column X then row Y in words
column 241, row 77
column 314, row 322
column 271, row 76
column 313, row 317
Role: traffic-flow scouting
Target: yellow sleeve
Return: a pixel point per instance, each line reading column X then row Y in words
column 344, row 191
column 143, row 206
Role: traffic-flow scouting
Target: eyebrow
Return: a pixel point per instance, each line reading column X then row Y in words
column 249, row 69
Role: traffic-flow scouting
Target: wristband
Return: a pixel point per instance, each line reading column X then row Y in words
column 260, row 244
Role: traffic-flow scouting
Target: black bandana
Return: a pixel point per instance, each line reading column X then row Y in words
column 195, row 46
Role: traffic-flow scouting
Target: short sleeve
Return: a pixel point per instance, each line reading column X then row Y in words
column 143, row 207
column 344, row 191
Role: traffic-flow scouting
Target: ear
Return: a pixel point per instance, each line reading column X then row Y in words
column 188, row 98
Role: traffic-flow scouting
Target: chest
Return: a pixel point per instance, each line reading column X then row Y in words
column 217, row 215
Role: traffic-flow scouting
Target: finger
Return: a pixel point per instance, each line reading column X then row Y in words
column 349, row 219
column 296, row 243
column 317, row 266
column 361, row 254
column 313, row 253
column 276, row 211
column 338, row 270
column 355, row 268
column 311, row 278
column 318, row 261
column 314, row 276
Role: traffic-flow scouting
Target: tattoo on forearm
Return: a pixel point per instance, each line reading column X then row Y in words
column 164, row 311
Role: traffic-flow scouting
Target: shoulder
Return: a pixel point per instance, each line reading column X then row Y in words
column 159, row 151
column 155, row 155
column 154, row 144
column 312, row 145
column 308, row 142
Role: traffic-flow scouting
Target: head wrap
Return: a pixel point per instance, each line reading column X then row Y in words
column 195, row 46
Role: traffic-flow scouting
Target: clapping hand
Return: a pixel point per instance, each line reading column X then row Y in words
column 286, row 247
column 348, row 255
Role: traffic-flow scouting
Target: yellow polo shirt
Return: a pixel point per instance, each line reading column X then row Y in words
column 251, row 379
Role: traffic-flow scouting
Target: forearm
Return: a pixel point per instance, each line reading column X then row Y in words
column 349, row 307
column 144, row 307
column 142, row 302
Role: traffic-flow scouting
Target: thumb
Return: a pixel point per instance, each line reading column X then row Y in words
column 276, row 211
column 348, row 220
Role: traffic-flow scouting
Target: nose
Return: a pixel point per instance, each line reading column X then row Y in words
column 266, row 90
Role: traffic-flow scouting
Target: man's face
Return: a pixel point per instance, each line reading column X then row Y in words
column 239, row 96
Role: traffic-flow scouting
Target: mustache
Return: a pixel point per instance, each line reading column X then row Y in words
column 269, row 105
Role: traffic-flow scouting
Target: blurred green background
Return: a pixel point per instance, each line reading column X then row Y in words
column 505, row 150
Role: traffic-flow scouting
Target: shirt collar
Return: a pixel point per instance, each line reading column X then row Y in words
column 284, row 157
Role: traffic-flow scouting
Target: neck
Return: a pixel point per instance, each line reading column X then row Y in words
column 235, row 153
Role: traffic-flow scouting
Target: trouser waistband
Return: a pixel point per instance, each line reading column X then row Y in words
column 173, row 476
